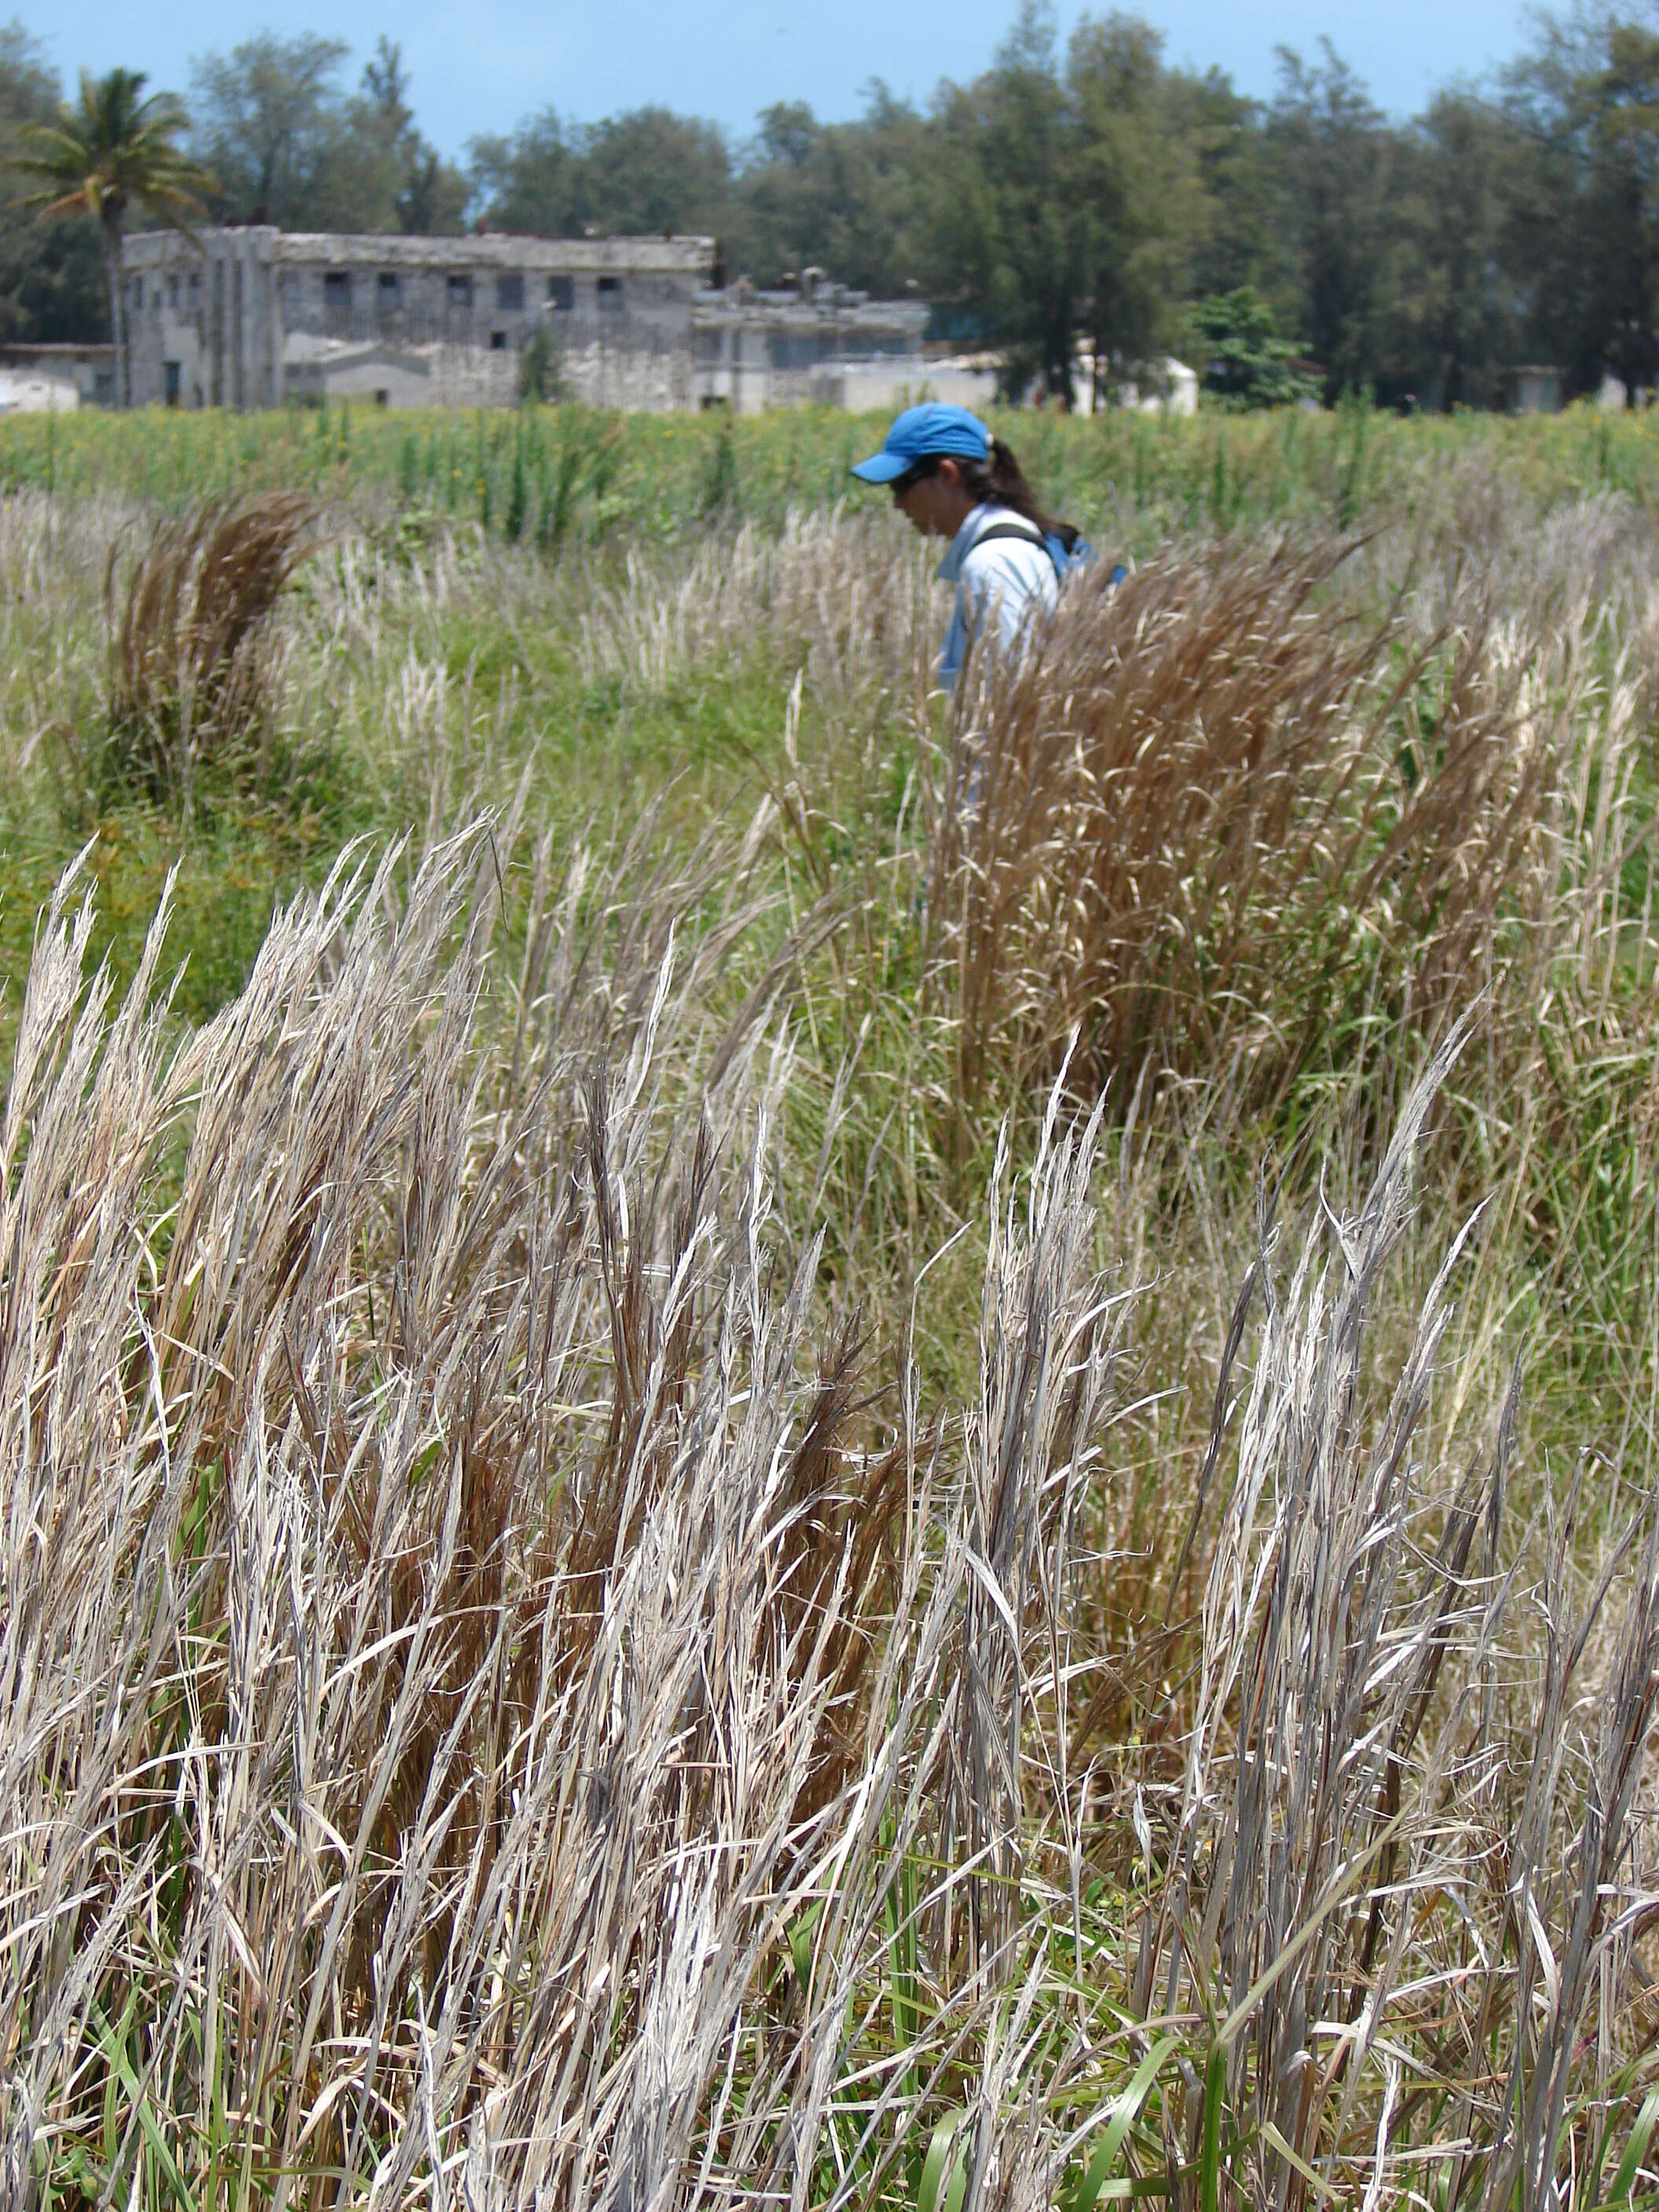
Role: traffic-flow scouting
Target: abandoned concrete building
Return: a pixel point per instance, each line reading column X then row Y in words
column 257, row 316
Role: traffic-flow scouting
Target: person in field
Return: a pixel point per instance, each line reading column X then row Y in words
column 950, row 478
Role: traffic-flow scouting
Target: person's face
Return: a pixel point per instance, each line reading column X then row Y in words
column 934, row 502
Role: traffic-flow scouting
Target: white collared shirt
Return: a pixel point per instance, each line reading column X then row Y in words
column 1010, row 580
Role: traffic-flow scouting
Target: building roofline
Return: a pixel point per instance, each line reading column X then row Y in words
column 679, row 255
column 718, row 311
column 56, row 349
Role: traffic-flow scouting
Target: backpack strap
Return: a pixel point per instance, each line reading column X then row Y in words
column 1027, row 532
column 1058, row 551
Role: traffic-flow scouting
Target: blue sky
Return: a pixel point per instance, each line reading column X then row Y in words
column 480, row 65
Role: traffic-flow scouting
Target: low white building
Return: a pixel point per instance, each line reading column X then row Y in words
column 1168, row 386
column 1535, row 389
column 58, row 380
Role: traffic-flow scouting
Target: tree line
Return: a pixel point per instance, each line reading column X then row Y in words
column 1077, row 196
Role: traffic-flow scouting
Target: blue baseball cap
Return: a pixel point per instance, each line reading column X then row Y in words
column 922, row 432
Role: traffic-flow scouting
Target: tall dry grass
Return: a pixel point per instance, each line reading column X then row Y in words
column 595, row 1611
column 190, row 640
column 1221, row 821
column 495, row 1713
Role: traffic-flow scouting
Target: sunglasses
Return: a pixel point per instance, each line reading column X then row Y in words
column 912, row 477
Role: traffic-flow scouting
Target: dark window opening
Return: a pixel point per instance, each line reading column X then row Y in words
column 610, row 296
column 562, row 293
column 460, row 292
column 172, row 291
column 137, row 291
column 382, row 397
column 498, row 341
column 509, row 293
column 336, row 298
column 789, row 350
column 170, row 377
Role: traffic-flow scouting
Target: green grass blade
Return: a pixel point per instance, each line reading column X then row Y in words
column 115, row 2052
column 1270, row 2134
column 1635, row 2150
column 935, row 2162
column 1125, row 2109
column 1209, row 2163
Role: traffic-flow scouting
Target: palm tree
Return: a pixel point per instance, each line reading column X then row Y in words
column 111, row 151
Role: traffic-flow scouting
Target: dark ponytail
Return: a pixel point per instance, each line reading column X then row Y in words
column 1001, row 482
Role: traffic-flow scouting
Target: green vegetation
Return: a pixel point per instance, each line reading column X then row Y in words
column 780, row 1442
column 1247, row 363
column 624, row 479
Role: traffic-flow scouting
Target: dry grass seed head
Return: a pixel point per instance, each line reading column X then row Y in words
column 189, row 674
column 1215, row 820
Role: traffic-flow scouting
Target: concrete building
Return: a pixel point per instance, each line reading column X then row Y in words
column 257, row 316
column 38, row 379
column 816, row 342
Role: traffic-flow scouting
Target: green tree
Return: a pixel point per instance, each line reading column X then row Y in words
column 645, row 170
column 845, row 197
column 1241, row 360
column 1584, row 223
column 290, row 146
column 527, row 180
column 430, row 194
column 1065, row 203
column 1328, row 155
column 51, row 285
column 651, row 170
column 1447, row 327
column 267, row 119
column 1011, row 242
column 112, row 152
column 1238, row 239
column 1141, row 192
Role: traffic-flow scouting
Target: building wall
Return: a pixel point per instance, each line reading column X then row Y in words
column 257, row 316
column 779, row 350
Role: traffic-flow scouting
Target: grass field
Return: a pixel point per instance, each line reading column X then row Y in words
column 764, row 1441
column 555, row 476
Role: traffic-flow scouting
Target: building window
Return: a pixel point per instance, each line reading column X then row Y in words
column 386, row 288
column 196, row 288
column 336, row 298
column 170, row 370
column 561, row 294
column 498, row 341
column 461, row 293
column 137, row 291
column 509, row 292
column 610, row 296
column 173, row 292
